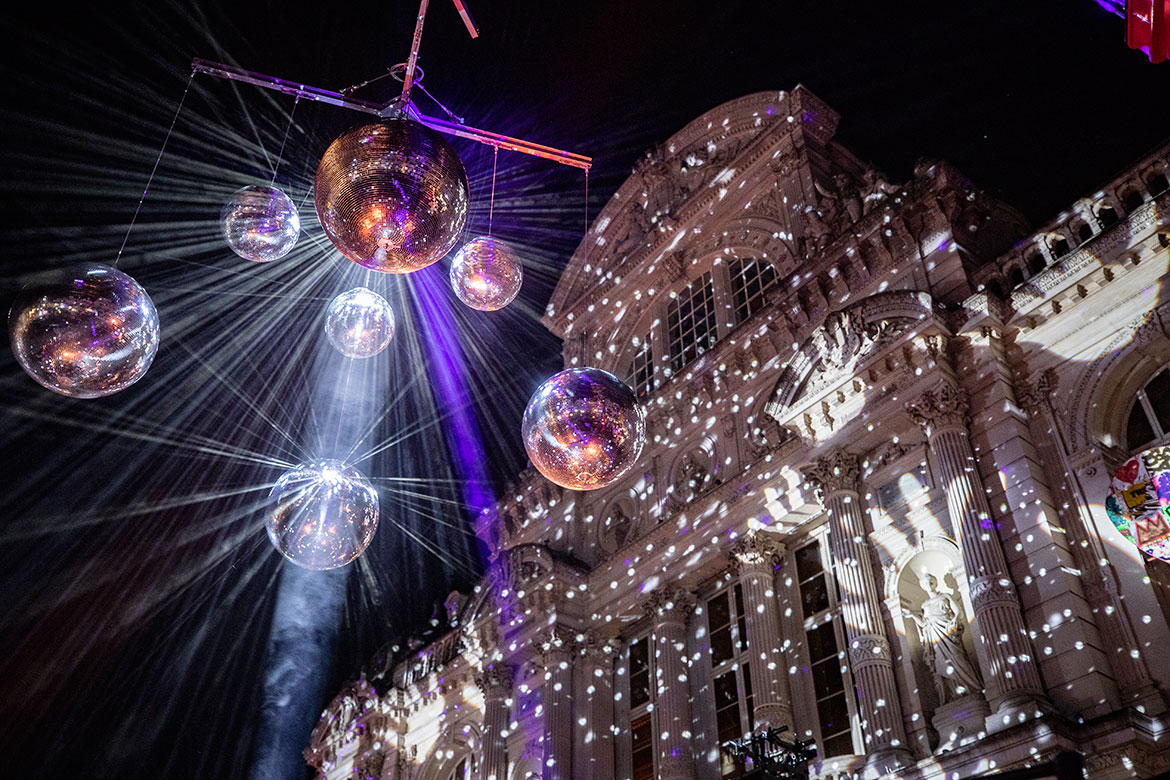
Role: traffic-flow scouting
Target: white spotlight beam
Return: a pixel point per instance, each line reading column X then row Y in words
column 392, row 108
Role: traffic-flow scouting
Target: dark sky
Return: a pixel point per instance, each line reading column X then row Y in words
column 133, row 635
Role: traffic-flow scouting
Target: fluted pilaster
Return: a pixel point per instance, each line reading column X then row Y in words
column 596, row 708
column 670, row 609
column 837, row 477
column 557, row 650
column 1001, row 640
column 495, row 681
column 753, row 557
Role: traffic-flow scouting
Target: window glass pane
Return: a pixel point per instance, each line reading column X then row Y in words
column 749, row 696
column 719, row 624
column 639, row 672
column 808, row 561
column 1158, row 394
column 722, row 648
column 822, row 643
column 814, row 595
column 690, row 321
column 641, row 378
column 727, row 707
column 833, row 714
column 741, row 621
column 642, row 748
column 1138, row 431
column 827, row 677
column 750, row 279
column 839, row 745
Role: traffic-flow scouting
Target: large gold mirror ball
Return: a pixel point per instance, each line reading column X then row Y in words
column 392, row 196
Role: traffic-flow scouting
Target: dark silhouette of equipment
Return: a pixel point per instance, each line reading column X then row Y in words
column 773, row 758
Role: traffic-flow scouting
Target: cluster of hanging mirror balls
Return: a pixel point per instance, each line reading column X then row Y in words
column 393, row 197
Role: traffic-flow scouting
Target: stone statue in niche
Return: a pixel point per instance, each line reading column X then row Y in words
column 620, row 527
column 940, row 629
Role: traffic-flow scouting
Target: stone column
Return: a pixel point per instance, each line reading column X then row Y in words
column 1001, row 641
column 556, row 701
column 752, row 557
column 837, row 475
column 670, row 608
column 593, row 753
column 496, row 683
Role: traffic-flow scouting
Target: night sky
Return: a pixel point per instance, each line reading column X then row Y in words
column 138, row 584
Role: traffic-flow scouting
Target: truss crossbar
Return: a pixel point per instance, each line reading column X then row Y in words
column 391, row 108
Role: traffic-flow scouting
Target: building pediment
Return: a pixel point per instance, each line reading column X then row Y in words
column 830, row 355
column 677, row 180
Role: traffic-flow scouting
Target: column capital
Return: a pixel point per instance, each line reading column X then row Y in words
column 669, row 602
column 944, row 406
column 755, row 550
column 837, row 470
column 496, row 678
column 596, row 647
column 558, row 638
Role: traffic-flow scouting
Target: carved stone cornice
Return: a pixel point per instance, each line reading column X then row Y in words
column 669, row 602
column 495, row 679
column 945, row 406
column 755, row 550
column 836, row 471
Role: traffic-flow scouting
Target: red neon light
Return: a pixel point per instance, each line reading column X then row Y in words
column 1147, row 27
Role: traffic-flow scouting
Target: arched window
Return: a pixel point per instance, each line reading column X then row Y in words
column 690, row 322
column 1132, row 200
column 750, row 280
column 1084, row 231
column 1059, row 247
column 462, row 771
column 641, row 375
column 1157, row 183
column 1108, row 216
column 1035, row 263
column 1149, row 419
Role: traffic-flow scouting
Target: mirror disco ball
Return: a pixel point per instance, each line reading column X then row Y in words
column 84, row 332
column 584, row 428
column 322, row 514
column 260, row 223
column 392, row 196
column 359, row 323
column 486, row 274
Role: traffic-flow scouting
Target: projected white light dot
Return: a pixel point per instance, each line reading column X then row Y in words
column 322, row 514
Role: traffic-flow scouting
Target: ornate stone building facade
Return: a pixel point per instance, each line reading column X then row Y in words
column 882, row 420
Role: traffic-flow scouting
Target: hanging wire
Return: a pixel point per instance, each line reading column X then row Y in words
column 280, row 154
column 153, row 170
column 492, row 201
column 586, row 201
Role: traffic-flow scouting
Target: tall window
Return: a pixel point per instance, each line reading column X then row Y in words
column 1149, row 419
column 750, row 280
column 690, row 321
column 641, row 704
column 823, row 641
column 731, row 677
column 641, row 378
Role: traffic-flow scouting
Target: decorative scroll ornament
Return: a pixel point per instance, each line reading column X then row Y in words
column 1139, row 501
column 945, row 406
column 838, row 470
